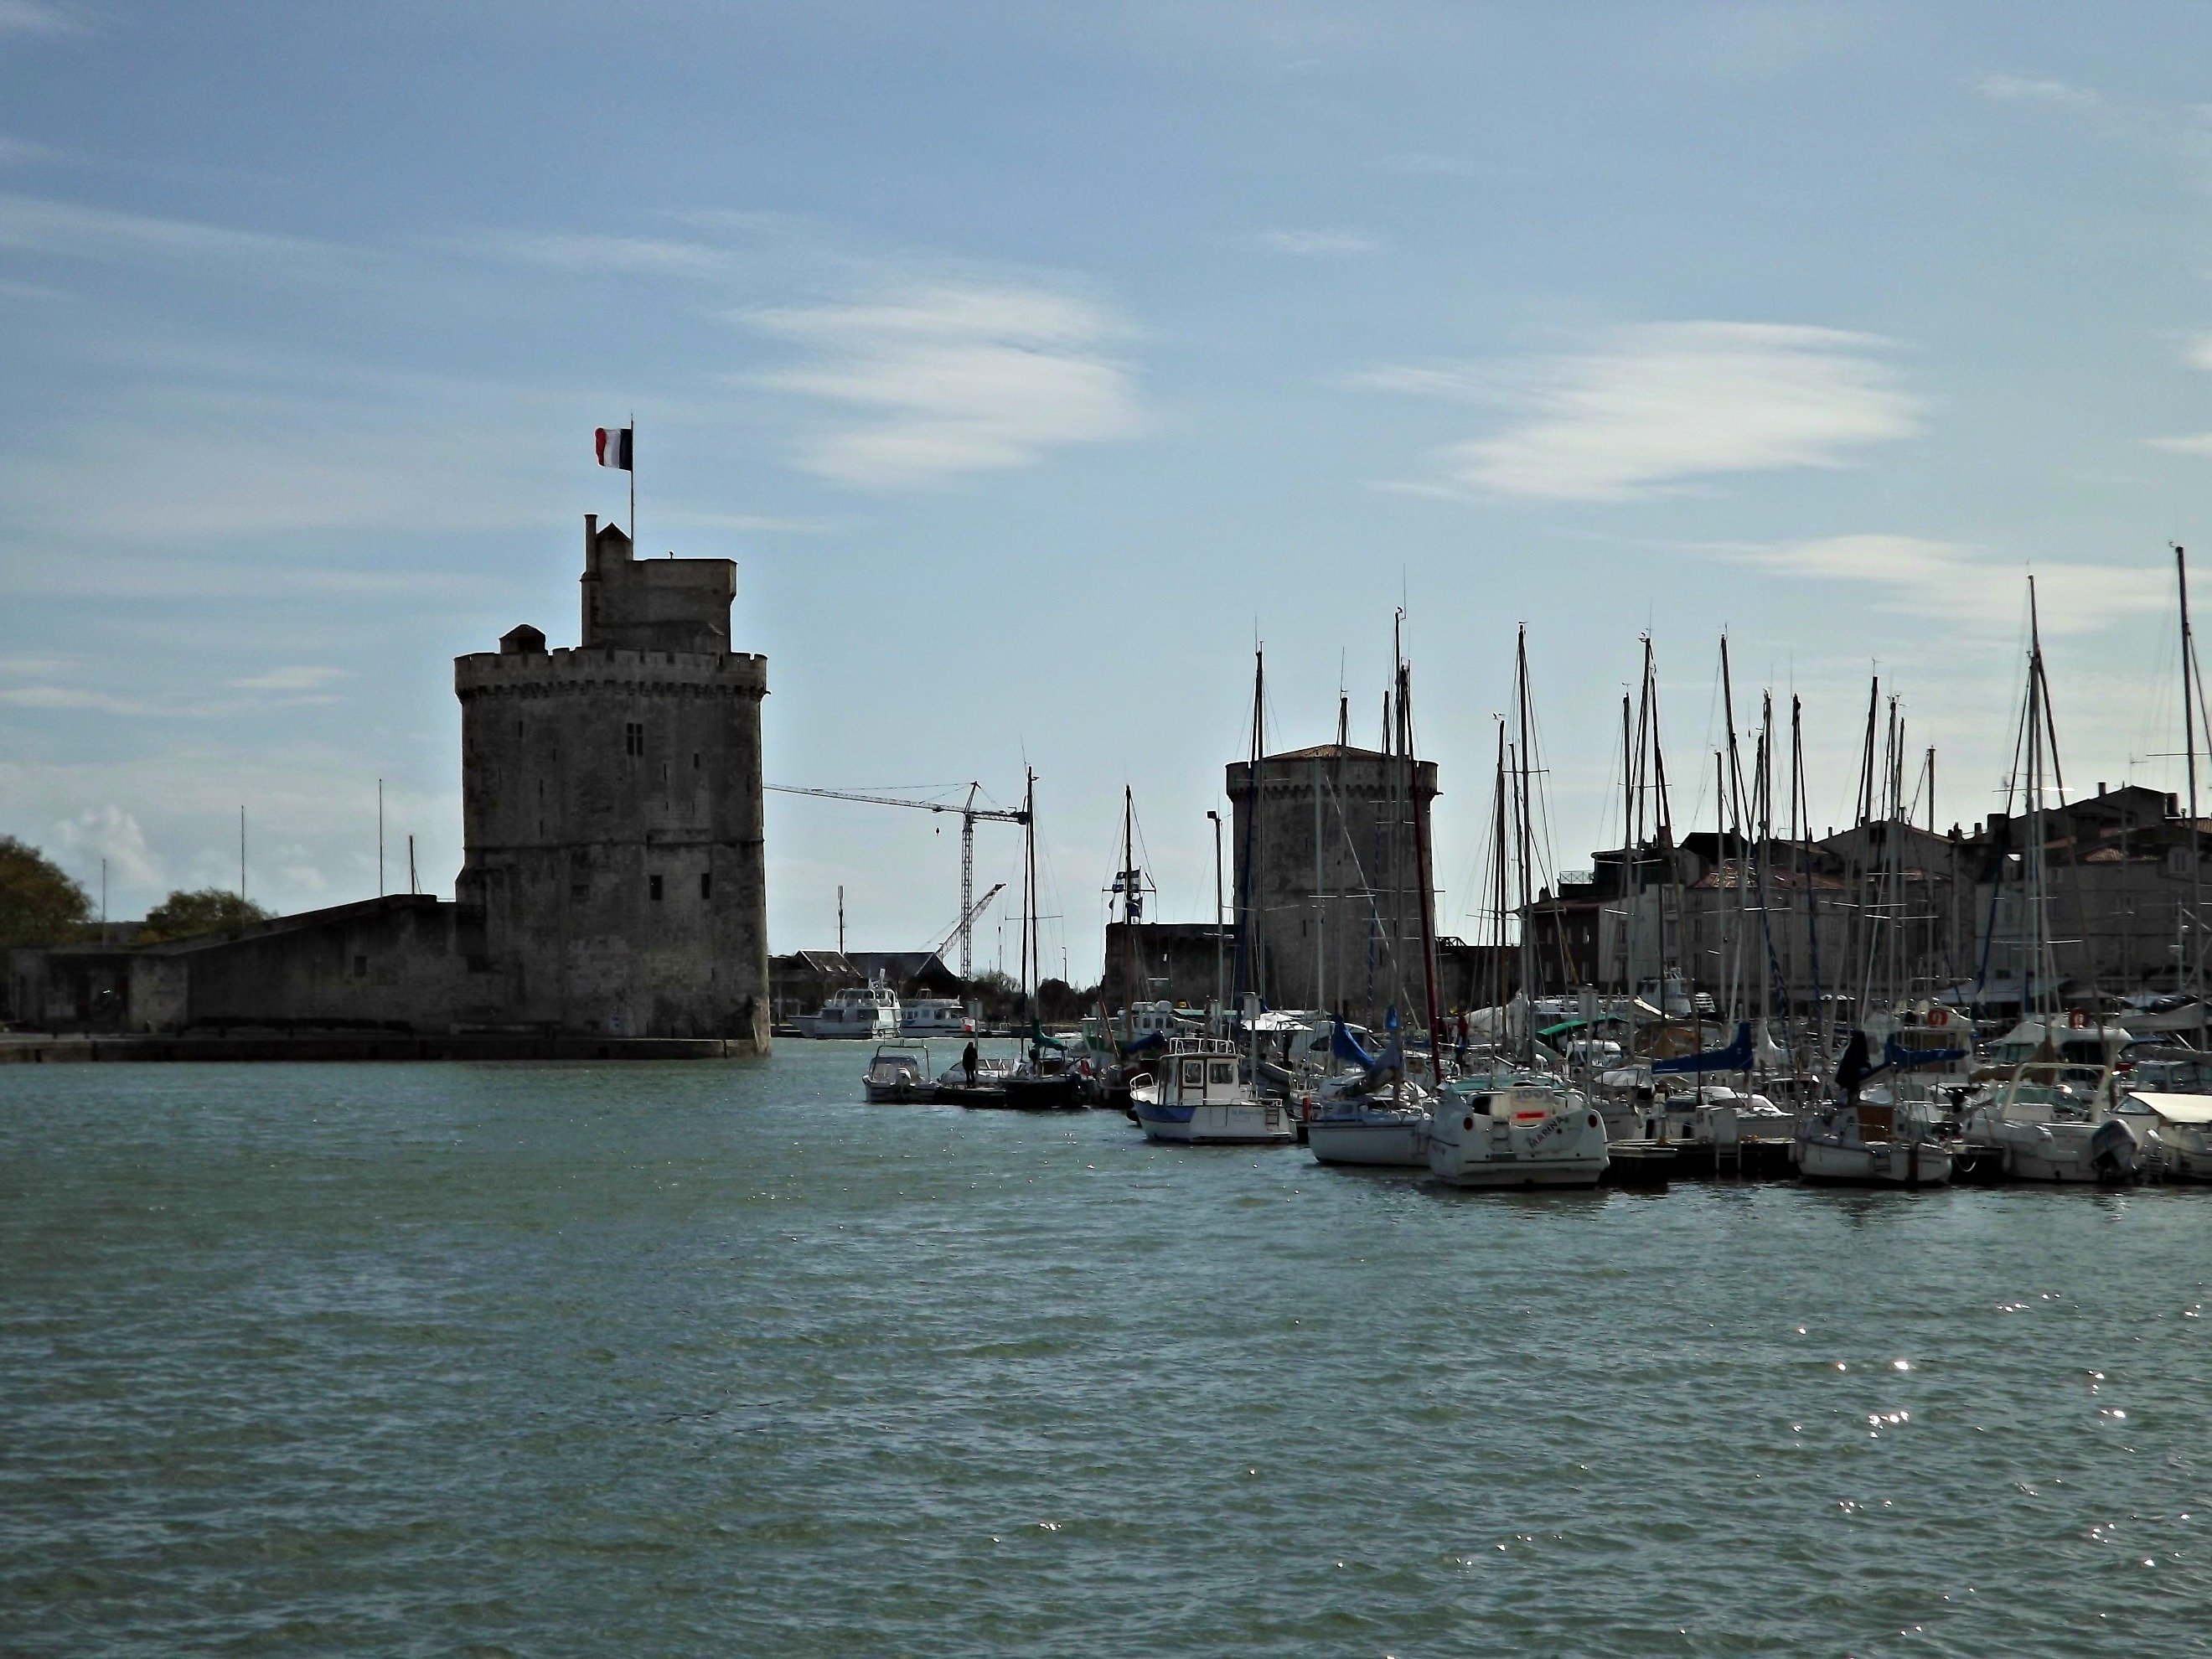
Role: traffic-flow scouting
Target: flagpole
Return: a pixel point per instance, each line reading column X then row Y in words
column 634, row 551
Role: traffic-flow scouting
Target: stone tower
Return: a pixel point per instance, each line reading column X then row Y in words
column 614, row 879
column 1335, row 896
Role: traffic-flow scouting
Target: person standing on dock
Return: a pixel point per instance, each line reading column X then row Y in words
column 968, row 1061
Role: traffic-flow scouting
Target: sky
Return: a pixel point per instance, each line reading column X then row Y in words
column 1038, row 364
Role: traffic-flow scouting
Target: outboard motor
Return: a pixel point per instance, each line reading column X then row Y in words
column 2112, row 1150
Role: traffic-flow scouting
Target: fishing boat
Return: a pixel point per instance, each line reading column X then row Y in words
column 867, row 1010
column 1531, row 1132
column 1198, row 1097
column 898, row 1075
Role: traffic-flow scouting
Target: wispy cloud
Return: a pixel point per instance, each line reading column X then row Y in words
column 611, row 255
column 2035, row 90
column 299, row 677
column 1319, row 244
column 58, row 697
column 1650, row 407
column 757, row 523
column 32, row 224
column 26, row 17
column 951, row 377
column 1968, row 587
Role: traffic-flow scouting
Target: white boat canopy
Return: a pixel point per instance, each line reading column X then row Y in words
column 2176, row 1109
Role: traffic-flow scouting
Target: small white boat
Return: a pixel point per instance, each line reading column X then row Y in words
column 1197, row 1096
column 898, row 1075
column 1528, row 1134
column 1871, row 1145
column 2182, row 1126
column 2054, row 1121
column 865, row 1011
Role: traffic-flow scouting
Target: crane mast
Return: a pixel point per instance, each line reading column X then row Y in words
column 969, row 811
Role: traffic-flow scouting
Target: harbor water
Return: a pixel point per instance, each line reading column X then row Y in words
column 715, row 1359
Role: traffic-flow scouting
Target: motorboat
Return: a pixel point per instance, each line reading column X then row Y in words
column 863, row 1011
column 898, row 1075
column 1871, row 1143
column 1197, row 1095
column 927, row 1017
column 2051, row 1120
column 1530, row 1132
column 2177, row 1129
column 986, row 1086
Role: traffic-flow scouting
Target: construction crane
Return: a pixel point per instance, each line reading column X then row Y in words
column 967, row 920
column 969, row 811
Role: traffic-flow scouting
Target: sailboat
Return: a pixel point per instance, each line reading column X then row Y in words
column 1522, row 1127
column 1044, row 1081
column 1372, row 1115
column 2051, row 1119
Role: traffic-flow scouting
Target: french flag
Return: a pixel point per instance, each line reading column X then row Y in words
column 613, row 444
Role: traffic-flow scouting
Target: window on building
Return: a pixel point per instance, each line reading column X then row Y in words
column 706, row 886
column 653, row 887
column 695, row 760
column 634, row 738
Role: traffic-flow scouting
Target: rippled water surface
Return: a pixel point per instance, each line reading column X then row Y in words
column 670, row 1359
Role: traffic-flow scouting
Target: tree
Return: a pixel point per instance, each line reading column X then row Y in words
column 38, row 902
column 997, row 991
column 208, row 910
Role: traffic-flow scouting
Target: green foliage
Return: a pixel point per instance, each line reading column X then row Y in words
column 209, row 911
column 38, row 904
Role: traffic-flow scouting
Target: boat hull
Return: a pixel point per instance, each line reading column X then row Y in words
column 1244, row 1123
column 1566, row 1148
column 1381, row 1143
column 1873, row 1164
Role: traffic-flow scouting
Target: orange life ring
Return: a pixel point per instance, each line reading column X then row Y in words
column 1939, row 1018
column 2077, row 1020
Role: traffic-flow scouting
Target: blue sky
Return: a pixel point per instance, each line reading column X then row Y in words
column 1032, row 361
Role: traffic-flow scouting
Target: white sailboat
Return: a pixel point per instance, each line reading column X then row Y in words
column 1530, row 1132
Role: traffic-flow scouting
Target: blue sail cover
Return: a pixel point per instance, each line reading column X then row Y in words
column 1895, row 1056
column 1151, row 1043
column 1736, row 1057
column 1343, row 1045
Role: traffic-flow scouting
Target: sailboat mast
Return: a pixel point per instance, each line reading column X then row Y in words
column 2192, row 941
column 1525, row 830
column 1421, row 874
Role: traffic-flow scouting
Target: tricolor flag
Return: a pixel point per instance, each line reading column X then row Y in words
column 612, row 445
